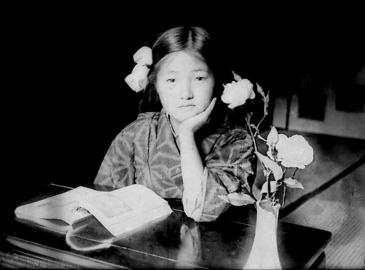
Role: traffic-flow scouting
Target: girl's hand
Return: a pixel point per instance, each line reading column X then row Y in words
column 194, row 123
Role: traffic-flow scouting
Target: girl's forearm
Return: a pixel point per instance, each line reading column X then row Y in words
column 192, row 173
column 191, row 163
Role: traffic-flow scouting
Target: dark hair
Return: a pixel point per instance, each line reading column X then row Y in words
column 194, row 39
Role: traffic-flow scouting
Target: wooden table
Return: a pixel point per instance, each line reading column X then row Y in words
column 175, row 241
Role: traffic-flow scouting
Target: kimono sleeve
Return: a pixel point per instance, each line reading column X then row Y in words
column 230, row 167
column 117, row 168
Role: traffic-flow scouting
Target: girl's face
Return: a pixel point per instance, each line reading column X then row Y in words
column 185, row 86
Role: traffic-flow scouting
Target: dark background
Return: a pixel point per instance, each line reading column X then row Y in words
column 66, row 98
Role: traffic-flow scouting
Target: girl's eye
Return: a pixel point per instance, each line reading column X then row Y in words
column 171, row 80
column 200, row 78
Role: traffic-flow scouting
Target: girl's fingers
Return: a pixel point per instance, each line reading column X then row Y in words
column 196, row 122
column 209, row 109
column 211, row 105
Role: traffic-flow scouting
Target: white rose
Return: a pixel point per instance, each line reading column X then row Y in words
column 294, row 151
column 236, row 93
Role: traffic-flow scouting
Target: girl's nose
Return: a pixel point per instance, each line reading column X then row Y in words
column 186, row 91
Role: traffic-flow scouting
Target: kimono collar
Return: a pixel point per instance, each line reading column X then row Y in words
column 168, row 121
column 172, row 129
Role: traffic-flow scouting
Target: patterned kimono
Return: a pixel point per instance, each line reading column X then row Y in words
column 147, row 153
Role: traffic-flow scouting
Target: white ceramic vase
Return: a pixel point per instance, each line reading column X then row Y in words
column 264, row 252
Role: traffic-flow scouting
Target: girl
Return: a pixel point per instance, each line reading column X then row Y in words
column 188, row 149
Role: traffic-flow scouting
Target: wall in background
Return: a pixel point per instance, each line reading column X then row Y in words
column 336, row 107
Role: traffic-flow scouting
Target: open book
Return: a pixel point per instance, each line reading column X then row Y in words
column 119, row 211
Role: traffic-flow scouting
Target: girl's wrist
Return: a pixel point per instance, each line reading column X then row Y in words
column 186, row 133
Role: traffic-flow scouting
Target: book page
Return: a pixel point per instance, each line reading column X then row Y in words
column 126, row 208
column 64, row 206
column 110, row 205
